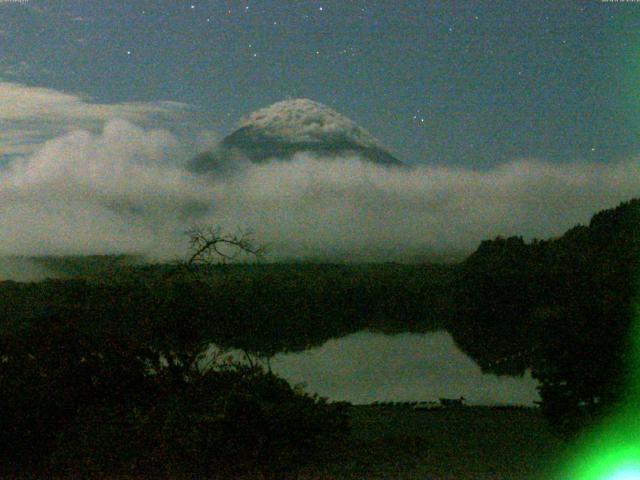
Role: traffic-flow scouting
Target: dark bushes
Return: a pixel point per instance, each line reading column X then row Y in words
column 81, row 402
column 561, row 307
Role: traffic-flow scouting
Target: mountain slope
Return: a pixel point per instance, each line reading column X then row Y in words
column 286, row 128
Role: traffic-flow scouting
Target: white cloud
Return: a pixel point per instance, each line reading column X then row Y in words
column 109, row 185
column 30, row 115
column 314, row 206
column 125, row 189
column 118, row 191
column 22, row 102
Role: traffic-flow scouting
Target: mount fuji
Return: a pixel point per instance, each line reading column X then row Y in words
column 286, row 128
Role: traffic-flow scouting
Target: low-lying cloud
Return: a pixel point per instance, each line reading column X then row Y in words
column 32, row 115
column 122, row 190
column 319, row 206
column 126, row 189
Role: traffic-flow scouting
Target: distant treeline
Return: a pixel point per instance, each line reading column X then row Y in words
column 263, row 309
column 563, row 307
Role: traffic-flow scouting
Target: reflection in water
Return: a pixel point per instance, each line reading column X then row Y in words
column 365, row 367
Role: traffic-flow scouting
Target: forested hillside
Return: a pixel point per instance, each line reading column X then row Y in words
column 562, row 306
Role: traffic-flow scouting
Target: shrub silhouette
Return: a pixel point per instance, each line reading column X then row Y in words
column 81, row 402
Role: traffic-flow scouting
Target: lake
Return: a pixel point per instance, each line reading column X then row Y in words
column 365, row 367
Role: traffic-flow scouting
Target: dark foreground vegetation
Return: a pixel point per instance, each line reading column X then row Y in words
column 98, row 371
column 470, row 443
column 262, row 309
column 84, row 403
column 562, row 307
column 101, row 373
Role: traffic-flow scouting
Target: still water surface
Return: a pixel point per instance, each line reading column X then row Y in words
column 365, row 367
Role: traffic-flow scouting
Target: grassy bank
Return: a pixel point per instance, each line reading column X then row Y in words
column 472, row 443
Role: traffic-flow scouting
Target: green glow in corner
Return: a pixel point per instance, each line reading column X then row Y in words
column 625, row 473
column 611, row 451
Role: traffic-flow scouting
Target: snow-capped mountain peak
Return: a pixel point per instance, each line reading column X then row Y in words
column 304, row 120
column 284, row 129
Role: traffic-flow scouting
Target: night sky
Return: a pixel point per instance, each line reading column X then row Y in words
column 474, row 84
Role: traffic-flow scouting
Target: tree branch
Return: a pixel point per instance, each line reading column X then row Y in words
column 209, row 244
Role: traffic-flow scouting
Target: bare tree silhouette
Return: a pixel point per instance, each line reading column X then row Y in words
column 211, row 245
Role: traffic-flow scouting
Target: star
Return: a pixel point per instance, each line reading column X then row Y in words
column 193, row 7
column 321, row 9
column 128, row 52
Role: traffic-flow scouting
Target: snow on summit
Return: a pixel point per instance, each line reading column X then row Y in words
column 283, row 130
column 303, row 120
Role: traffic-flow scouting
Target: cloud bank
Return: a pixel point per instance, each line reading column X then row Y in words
column 313, row 205
column 31, row 115
column 122, row 190
column 125, row 189
column 87, row 178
